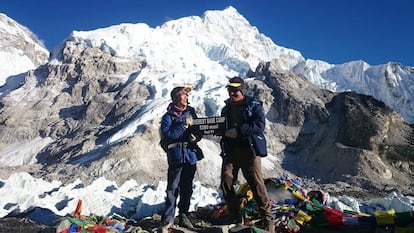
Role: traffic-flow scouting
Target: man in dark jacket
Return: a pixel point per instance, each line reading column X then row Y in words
column 182, row 155
column 243, row 145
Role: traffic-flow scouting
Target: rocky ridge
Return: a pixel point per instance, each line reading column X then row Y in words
column 342, row 138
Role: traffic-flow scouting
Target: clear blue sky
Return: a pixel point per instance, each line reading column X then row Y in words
column 336, row 31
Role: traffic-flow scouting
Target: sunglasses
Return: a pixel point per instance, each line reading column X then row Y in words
column 233, row 89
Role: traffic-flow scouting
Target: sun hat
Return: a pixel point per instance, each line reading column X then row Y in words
column 175, row 90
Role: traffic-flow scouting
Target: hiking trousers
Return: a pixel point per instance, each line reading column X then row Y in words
column 251, row 167
column 179, row 182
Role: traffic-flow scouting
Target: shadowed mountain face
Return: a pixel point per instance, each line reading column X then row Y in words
column 317, row 134
column 341, row 137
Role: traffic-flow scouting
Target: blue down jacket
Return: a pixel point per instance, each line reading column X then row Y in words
column 181, row 150
column 252, row 127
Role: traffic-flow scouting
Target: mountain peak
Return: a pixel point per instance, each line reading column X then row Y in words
column 19, row 48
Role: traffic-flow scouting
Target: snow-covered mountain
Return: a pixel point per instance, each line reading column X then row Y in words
column 391, row 83
column 93, row 109
column 226, row 38
column 20, row 50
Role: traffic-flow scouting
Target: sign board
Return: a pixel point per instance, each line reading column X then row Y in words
column 209, row 125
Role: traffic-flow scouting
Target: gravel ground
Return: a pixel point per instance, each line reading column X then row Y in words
column 13, row 225
column 16, row 225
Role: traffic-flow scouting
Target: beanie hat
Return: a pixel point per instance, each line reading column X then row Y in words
column 175, row 90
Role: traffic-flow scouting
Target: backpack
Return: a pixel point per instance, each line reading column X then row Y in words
column 164, row 142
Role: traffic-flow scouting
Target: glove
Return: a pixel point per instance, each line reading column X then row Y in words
column 188, row 121
column 231, row 133
column 192, row 138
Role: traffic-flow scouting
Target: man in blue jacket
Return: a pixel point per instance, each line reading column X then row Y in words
column 182, row 155
column 243, row 145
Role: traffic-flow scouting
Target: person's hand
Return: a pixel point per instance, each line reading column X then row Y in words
column 231, row 133
column 192, row 138
column 188, row 121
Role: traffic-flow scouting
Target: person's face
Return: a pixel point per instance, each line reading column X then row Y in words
column 235, row 94
column 181, row 98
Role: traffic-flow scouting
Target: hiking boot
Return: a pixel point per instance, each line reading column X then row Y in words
column 183, row 221
column 270, row 227
column 233, row 218
column 166, row 225
column 237, row 219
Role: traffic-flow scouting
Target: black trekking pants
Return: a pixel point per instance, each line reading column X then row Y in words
column 180, row 182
